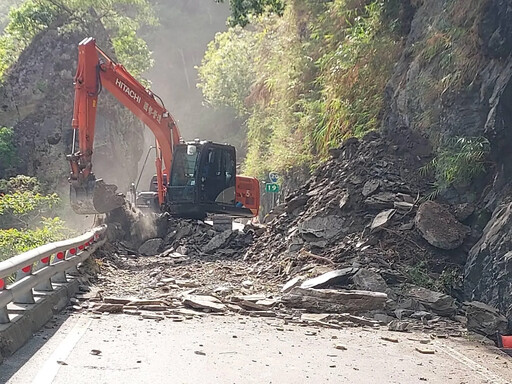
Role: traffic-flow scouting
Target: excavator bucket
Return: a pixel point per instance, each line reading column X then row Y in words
column 95, row 196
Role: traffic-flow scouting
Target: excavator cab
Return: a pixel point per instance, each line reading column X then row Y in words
column 203, row 180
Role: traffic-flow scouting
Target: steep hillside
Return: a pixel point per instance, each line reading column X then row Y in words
column 38, row 58
column 35, row 99
column 324, row 72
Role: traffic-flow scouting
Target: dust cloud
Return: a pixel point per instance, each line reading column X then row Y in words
column 178, row 45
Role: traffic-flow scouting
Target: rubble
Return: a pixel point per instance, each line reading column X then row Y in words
column 356, row 211
column 382, row 219
column 217, row 241
column 343, row 244
column 367, row 280
column 204, row 302
column 151, row 247
column 339, row 277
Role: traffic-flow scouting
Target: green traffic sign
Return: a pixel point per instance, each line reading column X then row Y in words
column 271, row 187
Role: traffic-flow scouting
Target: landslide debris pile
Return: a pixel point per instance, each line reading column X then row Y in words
column 359, row 224
column 136, row 234
column 359, row 209
column 363, row 215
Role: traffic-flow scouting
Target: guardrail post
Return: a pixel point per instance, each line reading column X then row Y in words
column 27, row 297
column 4, row 315
column 61, row 276
column 46, row 285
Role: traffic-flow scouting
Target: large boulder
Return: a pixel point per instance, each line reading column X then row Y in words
column 151, row 247
column 488, row 270
column 439, row 227
column 319, row 228
column 485, row 319
column 437, row 302
column 217, row 241
column 334, row 301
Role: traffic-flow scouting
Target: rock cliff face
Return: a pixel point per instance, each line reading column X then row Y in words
column 455, row 79
column 36, row 99
column 454, row 76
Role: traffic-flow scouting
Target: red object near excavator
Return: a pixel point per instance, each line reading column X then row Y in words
column 192, row 179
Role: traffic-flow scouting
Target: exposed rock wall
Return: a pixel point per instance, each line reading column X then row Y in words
column 455, row 79
column 36, row 99
column 454, row 76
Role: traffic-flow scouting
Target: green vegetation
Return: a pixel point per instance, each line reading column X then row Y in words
column 450, row 57
column 306, row 80
column 229, row 73
column 121, row 18
column 27, row 216
column 449, row 279
column 458, row 161
column 7, row 150
column 15, row 241
column 242, row 11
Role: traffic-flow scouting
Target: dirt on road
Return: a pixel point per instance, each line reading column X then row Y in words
column 239, row 349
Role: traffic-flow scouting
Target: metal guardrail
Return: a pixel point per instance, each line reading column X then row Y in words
column 40, row 268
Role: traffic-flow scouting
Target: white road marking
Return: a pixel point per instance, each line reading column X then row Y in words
column 473, row 365
column 51, row 367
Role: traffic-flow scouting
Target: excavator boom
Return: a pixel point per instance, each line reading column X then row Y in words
column 97, row 70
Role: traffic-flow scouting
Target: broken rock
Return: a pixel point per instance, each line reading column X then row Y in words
column 209, row 303
column 295, row 282
column 334, row 301
column 370, row 187
column 382, row 219
column 321, row 227
column 339, row 277
column 295, row 203
column 484, row 319
column 151, row 247
column 439, row 227
column 399, row 326
column 217, row 241
column 439, row 303
column 367, row 280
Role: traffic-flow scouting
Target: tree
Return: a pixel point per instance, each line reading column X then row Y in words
column 243, row 10
column 227, row 71
column 27, row 217
column 122, row 19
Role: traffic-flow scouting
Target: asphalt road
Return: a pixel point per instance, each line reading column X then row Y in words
column 230, row 349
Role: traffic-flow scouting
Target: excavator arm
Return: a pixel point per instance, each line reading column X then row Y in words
column 95, row 71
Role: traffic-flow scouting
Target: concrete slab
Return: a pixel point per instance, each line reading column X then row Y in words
column 29, row 318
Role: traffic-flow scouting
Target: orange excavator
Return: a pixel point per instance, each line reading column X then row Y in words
column 192, row 179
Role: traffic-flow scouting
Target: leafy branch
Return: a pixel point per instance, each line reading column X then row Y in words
column 458, row 161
